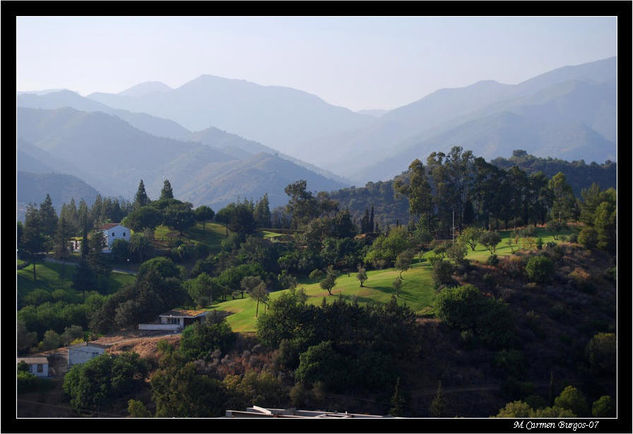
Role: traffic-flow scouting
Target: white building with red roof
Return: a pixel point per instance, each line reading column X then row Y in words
column 113, row 232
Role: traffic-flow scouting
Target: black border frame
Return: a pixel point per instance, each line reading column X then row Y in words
column 622, row 9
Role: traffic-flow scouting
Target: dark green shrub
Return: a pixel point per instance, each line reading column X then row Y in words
column 603, row 407
column 588, row 237
column 442, row 273
column 573, row 400
column 539, row 269
column 493, row 260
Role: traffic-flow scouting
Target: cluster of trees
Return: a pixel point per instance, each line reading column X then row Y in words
column 570, row 403
column 598, row 213
column 339, row 346
column 158, row 287
column 96, row 384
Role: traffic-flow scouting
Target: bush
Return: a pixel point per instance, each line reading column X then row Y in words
column 200, row 339
column 489, row 240
column 573, row 238
column 573, row 400
column 588, row 237
column 603, row 407
column 582, row 280
column 442, row 273
column 600, row 353
column 513, row 266
column 539, row 269
column 316, row 275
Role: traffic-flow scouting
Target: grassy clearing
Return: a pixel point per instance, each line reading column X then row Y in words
column 58, row 276
column 212, row 235
column 481, row 254
column 270, row 234
column 417, row 292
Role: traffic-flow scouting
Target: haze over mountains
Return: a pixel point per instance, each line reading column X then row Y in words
column 218, row 139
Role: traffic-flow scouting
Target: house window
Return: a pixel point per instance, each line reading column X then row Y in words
column 112, row 233
column 95, row 354
column 40, row 367
column 123, row 233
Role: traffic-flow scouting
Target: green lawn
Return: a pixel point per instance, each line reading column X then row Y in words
column 417, row 292
column 481, row 254
column 58, row 276
column 212, row 235
column 270, row 234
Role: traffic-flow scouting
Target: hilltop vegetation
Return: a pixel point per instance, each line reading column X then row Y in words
column 501, row 285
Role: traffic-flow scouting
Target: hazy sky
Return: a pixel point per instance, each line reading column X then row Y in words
column 355, row 62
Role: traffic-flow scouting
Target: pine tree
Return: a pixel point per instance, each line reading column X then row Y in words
column 141, row 198
column 364, row 223
column 262, row 212
column 61, row 239
column 166, row 192
column 372, row 228
column 48, row 217
column 33, row 238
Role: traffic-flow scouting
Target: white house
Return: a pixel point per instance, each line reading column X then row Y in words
column 38, row 366
column 175, row 320
column 113, row 232
column 83, row 352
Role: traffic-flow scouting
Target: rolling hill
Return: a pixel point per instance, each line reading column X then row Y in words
column 112, row 156
column 278, row 117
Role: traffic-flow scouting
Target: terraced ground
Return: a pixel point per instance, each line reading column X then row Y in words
column 417, row 289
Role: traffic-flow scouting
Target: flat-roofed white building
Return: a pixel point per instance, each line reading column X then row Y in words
column 38, row 366
column 83, row 352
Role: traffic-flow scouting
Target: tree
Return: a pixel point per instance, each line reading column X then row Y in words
column 470, row 236
column 166, row 192
column 140, row 247
column 442, row 273
column 203, row 213
column 588, row 237
column 516, row 409
column 418, row 191
column 404, row 260
column 600, row 353
column 256, row 288
column 84, row 278
column 302, row 205
column 33, row 238
column 201, row 339
column 573, row 400
column 262, row 212
column 48, row 217
column 26, row 339
column 489, row 240
column 62, row 235
column 179, row 216
column 137, row 409
column 51, row 340
column 144, row 217
column 604, row 222
column 329, row 281
column 201, row 289
column 539, row 269
column 141, row 199
column 563, row 200
column 321, row 362
column 603, row 407
column 361, row 275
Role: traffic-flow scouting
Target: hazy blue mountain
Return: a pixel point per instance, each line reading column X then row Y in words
column 113, row 156
column 242, row 148
column 33, row 187
column 144, row 122
column 279, row 117
column 146, row 88
column 573, row 108
column 373, row 112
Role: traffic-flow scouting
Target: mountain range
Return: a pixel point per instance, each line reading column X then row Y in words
column 218, row 139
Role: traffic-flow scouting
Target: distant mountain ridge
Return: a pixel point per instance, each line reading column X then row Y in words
column 112, row 155
column 276, row 116
column 578, row 101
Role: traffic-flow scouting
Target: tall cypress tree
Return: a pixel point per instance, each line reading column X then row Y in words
column 166, row 192
column 372, row 228
column 141, row 198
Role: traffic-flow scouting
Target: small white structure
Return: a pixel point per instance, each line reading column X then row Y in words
column 175, row 320
column 113, row 232
column 38, row 366
column 83, row 352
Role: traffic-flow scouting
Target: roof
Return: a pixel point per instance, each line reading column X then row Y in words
column 33, row 360
column 107, row 226
column 184, row 313
column 90, row 344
